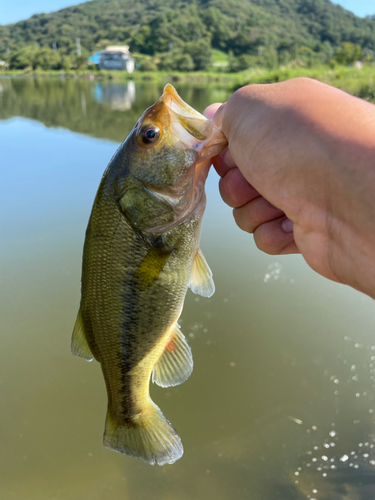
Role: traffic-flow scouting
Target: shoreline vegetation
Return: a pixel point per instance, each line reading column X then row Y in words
column 227, row 44
column 358, row 81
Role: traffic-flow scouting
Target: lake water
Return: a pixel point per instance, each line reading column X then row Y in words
column 281, row 401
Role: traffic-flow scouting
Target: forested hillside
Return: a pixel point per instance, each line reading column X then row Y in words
column 275, row 31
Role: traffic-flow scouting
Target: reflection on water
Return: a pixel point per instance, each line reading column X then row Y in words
column 101, row 109
column 118, row 96
column 281, row 401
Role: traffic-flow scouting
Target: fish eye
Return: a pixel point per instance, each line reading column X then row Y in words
column 149, row 134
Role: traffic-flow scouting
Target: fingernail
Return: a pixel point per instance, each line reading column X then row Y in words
column 287, row 226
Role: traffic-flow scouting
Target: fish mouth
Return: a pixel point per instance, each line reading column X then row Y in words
column 193, row 129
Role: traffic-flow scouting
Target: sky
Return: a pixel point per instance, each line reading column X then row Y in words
column 12, row 11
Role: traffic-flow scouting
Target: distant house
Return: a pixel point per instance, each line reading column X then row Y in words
column 116, row 57
column 95, row 58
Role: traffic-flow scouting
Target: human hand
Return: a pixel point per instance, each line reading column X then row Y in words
column 253, row 213
column 299, row 173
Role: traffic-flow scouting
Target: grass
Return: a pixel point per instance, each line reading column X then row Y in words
column 219, row 57
column 358, row 82
column 192, row 76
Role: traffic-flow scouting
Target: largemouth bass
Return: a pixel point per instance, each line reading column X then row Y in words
column 141, row 254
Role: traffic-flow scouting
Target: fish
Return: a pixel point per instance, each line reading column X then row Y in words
column 141, row 253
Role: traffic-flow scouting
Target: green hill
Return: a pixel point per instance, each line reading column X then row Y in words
column 275, row 30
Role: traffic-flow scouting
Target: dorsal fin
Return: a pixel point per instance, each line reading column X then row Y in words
column 176, row 363
column 201, row 281
column 80, row 346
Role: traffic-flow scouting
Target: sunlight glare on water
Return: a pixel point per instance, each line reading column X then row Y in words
column 281, row 400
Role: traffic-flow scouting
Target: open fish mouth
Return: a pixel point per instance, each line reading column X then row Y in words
column 192, row 128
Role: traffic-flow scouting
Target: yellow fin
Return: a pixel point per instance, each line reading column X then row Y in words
column 155, row 440
column 152, row 265
column 80, row 346
column 201, row 281
column 176, row 363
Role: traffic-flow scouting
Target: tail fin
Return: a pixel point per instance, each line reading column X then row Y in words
column 155, row 441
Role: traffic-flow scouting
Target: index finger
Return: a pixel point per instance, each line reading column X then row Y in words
column 223, row 162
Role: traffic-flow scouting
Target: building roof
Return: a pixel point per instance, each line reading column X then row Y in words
column 112, row 49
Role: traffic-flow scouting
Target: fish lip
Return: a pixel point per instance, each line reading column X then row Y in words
column 197, row 127
column 207, row 139
column 170, row 95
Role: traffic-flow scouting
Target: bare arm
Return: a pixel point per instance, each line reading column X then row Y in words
column 300, row 175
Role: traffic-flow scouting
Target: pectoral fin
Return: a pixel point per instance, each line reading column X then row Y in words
column 80, row 346
column 176, row 363
column 201, row 281
column 152, row 265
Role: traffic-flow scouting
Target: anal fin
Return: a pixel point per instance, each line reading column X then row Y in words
column 80, row 346
column 176, row 363
column 201, row 281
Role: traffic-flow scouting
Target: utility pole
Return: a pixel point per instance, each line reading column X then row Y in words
column 78, row 40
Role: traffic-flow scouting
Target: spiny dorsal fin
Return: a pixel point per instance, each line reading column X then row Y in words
column 201, row 281
column 80, row 346
column 176, row 363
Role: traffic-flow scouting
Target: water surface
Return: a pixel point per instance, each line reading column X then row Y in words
column 281, row 401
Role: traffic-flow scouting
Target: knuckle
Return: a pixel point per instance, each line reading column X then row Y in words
column 267, row 241
column 224, row 189
column 243, row 220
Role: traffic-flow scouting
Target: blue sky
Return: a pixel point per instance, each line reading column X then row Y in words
column 15, row 10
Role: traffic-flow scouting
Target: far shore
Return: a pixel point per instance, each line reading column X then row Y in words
column 193, row 76
column 356, row 80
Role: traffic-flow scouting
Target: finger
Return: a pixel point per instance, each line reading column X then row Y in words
column 272, row 239
column 220, row 162
column 211, row 110
column 235, row 190
column 254, row 213
column 223, row 162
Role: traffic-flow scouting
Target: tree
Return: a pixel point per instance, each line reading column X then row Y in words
column 271, row 30
column 47, row 59
column 348, row 53
column 200, row 52
column 184, row 62
column 239, row 63
column 176, row 60
column 23, row 58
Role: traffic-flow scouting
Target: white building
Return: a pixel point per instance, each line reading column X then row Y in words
column 116, row 57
